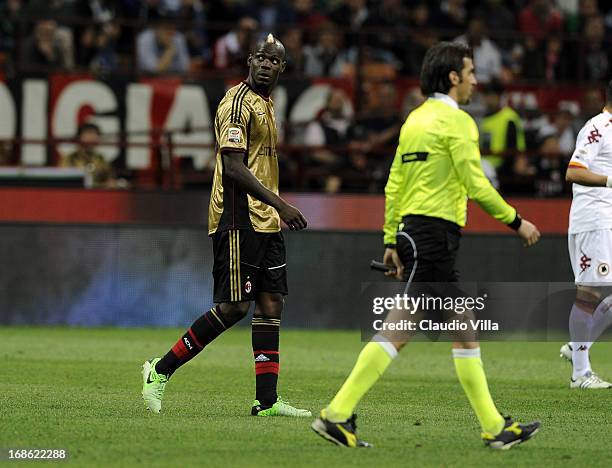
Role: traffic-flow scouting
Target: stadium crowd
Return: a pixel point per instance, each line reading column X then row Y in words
column 525, row 41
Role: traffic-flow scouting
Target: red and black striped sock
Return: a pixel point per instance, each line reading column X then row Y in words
column 265, row 352
column 204, row 330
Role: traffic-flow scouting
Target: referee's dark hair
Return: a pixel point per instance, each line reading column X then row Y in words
column 439, row 61
column 609, row 93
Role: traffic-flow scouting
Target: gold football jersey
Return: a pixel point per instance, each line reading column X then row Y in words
column 244, row 123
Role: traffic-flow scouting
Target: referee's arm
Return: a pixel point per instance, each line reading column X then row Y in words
column 392, row 219
column 392, row 215
column 465, row 154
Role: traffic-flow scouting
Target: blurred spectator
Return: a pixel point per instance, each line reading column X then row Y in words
column 561, row 128
column 577, row 12
column 556, row 66
column 487, row 58
column 422, row 37
column 388, row 20
column 221, row 14
column 537, row 59
column 351, row 14
column 501, row 134
column 271, row 14
column 154, row 10
column 232, row 50
column 10, row 13
column 192, row 22
column 98, row 172
column 97, row 47
column 595, row 54
column 294, row 50
column 499, row 19
column 50, row 9
column 550, row 177
column 307, row 17
column 413, row 99
column 374, row 137
column 326, row 57
column 451, row 17
column 162, row 49
column 46, row 48
column 540, row 18
column 330, row 129
column 590, row 106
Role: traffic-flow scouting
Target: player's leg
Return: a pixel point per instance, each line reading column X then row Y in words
column 265, row 340
column 336, row 422
column 232, row 307
column 497, row 432
column 590, row 258
column 202, row 332
column 270, row 287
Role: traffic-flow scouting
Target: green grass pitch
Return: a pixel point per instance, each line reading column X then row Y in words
column 79, row 389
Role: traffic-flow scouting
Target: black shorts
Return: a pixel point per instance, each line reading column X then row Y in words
column 247, row 263
column 437, row 243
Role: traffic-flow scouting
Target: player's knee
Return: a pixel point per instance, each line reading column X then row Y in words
column 233, row 312
column 270, row 305
column 587, row 299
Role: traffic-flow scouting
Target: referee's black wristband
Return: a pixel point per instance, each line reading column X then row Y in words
column 389, row 246
column 516, row 224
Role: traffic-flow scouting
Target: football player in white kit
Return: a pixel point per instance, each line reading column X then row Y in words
column 590, row 243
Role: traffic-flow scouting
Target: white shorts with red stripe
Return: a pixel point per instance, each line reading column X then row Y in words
column 591, row 256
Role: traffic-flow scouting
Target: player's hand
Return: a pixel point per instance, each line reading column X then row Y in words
column 292, row 217
column 529, row 233
column 392, row 259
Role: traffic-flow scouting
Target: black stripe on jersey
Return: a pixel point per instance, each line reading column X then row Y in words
column 235, row 213
column 237, row 104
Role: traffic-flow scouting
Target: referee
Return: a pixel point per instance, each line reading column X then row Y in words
column 435, row 170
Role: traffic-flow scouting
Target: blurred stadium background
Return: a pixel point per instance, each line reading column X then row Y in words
column 108, row 226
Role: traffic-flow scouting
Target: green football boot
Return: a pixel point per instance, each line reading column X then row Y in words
column 280, row 408
column 153, row 386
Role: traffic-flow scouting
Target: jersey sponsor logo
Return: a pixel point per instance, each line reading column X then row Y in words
column 585, row 262
column 415, row 156
column 247, row 287
column 234, row 135
column 594, row 136
column 603, row 269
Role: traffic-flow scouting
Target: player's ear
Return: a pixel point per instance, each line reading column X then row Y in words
column 283, row 65
column 250, row 59
column 454, row 78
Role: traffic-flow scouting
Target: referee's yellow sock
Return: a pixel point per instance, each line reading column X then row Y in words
column 474, row 382
column 372, row 362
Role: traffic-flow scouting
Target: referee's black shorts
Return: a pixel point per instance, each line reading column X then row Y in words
column 246, row 263
column 436, row 242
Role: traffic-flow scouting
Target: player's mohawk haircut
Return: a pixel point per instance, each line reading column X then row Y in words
column 270, row 39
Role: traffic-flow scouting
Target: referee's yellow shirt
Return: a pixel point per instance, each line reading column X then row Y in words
column 437, row 168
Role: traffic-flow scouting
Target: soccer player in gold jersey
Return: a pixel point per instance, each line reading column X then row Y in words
column 244, row 219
